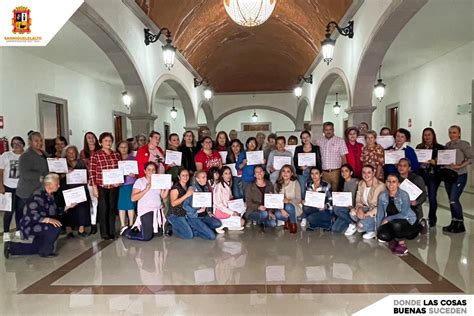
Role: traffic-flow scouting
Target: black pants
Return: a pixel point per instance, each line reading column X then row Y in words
column 8, row 216
column 398, row 229
column 43, row 242
column 107, row 211
column 146, row 232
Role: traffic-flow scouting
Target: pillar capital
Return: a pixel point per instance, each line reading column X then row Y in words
column 142, row 123
column 359, row 114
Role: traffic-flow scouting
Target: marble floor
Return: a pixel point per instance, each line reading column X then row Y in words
column 240, row 273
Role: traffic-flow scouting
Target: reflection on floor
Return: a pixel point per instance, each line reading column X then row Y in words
column 240, row 273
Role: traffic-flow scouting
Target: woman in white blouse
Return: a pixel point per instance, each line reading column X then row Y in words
column 222, row 194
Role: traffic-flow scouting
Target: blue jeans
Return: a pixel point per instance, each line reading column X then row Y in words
column 258, row 216
column 180, row 227
column 318, row 218
column 454, row 191
column 367, row 224
column 303, row 180
column 211, row 221
column 343, row 219
column 432, row 184
column 237, row 188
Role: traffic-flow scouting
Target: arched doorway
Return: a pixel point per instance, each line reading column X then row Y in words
column 303, row 114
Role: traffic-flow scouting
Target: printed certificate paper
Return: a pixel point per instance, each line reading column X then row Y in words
column 58, row 165
column 423, row 155
column 112, row 176
column 161, row 181
column 6, row 202
column 173, row 157
column 223, row 156
column 306, row 159
column 342, row 199
column 280, row 161
column 409, row 187
column 76, row 195
column 128, row 167
column 392, row 157
column 291, row 149
column 202, row 199
column 77, row 176
column 255, row 158
column 315, row 199
column 385, row 141
column 237, row 205
column 273, row 201
column 446, row 157
column 233, row 170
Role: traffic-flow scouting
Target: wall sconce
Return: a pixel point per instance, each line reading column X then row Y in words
column 379, row 87
column 207, row 90
column 254, row 116
column 336, row 107
column 173, row 112
column 169, row 51
column 298, row 92
column 126, row 99
column 327, row 45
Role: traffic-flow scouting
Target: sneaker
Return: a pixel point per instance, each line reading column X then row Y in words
column 303, row 222
column 280, row 223
column 369, row 235
column 17, row 234
column 220, row 230
column 423, row 226
column 392, row 244
column 236, row 228
column 6, row 237
column 350, row 230
column 381, row 241
column 123, row 229
column 400, row 250
column 360, row 229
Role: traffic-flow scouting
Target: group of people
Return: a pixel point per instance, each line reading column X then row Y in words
column 237, row 186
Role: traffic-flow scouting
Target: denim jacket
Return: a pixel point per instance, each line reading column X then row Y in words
column 402, row 203
column 188, row 203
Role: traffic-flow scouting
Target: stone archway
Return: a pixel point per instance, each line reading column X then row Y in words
column 385, row 32
column 254, row 107
column 300, row 113
column 210, row 121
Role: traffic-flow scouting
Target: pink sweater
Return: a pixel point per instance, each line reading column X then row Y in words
column 221, row 196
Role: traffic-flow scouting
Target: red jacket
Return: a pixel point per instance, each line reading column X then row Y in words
column 143, row 156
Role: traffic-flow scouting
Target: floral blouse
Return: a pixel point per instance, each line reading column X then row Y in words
column 374, row 156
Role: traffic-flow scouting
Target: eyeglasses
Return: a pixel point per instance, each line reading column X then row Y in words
column 17, row 144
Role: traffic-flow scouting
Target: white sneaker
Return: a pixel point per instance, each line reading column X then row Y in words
column 236, row 228
column 17, row 234
column 254, row 223
column 350, row 230
column 280, row 223
column 6, row 237
column 369, row 235
column 303, row 222
column 360, row 229
column 123, row 229
column 220, row 230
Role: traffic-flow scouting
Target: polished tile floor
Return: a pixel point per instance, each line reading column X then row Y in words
column 311, row 273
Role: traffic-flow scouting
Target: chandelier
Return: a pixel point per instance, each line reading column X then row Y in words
column 249, row 12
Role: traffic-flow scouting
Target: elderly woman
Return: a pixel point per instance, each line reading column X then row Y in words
column 39, row 222
column 373, row 154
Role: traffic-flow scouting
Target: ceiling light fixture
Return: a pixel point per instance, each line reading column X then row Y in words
column 249, row 12
column 254, row 116
column 336, row 107
column 173, row 112
column 327, row 45
column 169, row 51
column 126, row 99
column 207, row 90
column 379, row 87
column 299, row 90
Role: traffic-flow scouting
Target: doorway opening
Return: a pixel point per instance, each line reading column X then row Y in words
column 392, row 117
column 53, row 120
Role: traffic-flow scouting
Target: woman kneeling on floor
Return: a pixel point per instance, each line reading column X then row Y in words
column 150, row 217
column 395, row 218
column 222, row 194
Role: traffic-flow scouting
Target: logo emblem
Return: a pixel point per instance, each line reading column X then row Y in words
column 21, row 20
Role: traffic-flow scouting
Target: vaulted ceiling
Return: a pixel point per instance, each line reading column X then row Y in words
column 269, row 57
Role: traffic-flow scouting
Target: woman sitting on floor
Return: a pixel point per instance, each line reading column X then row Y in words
column 288, row 185
column 319, row 217
column 151, row 218
column 395, row 218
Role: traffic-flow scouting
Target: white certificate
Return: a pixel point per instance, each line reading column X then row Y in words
column 128, row 166
column 361, row 140
column 112, row 176
column 280, row 161
column 223, row 155
column 392, row 157
column 423, row 155
column 202, row 199
column 315, row 199
column 342, row 199
column 76, row 195
column 306, row 159
column 58, row 165
column 161, row 181
column 446, row 157
column 6, row 202
column 173, row 157
column 254, row 157
column 409, row 187
column 386, row 141
column 273, row 201
column 237, row 205
column 291, row 149
column 76, row 176
column 233, row 170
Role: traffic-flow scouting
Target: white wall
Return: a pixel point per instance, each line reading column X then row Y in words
column 338, row 120
column 279, row 121
column 176, row 126
column 432, row 93
column 22, row 76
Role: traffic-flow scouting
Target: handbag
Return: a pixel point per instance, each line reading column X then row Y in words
column 448, row 175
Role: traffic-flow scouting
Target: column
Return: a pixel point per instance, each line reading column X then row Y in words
column 316, row 131
column 360, row 114
column 142, row 123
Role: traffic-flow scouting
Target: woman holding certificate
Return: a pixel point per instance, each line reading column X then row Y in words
column 373, row 154
column 180, row 191
column 429, row 171
column 79, row 215
column 173, row 148
column 310, row 156
column 255, row 199
column 244, row 167
column 353, row 157
column 105, row 184
column 402, row 137
column 151, row 152
column 288, row 185
column 362, row 216
column 278, row 158
column 233, row 153
column 341, row 208
column 318, row 207
column 463, row 157
column 189, row 150
column 125, row 205
column 395, row 218
column 222, row 195
column 150, row 218
column 207, row 157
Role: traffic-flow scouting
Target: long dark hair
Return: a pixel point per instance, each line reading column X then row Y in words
column 435, row 141
column 279, row 182
column 169, row 139
column 87, row 151
column 230, row 153
column 183, row 142
column 221, row 176
column 226, row 138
